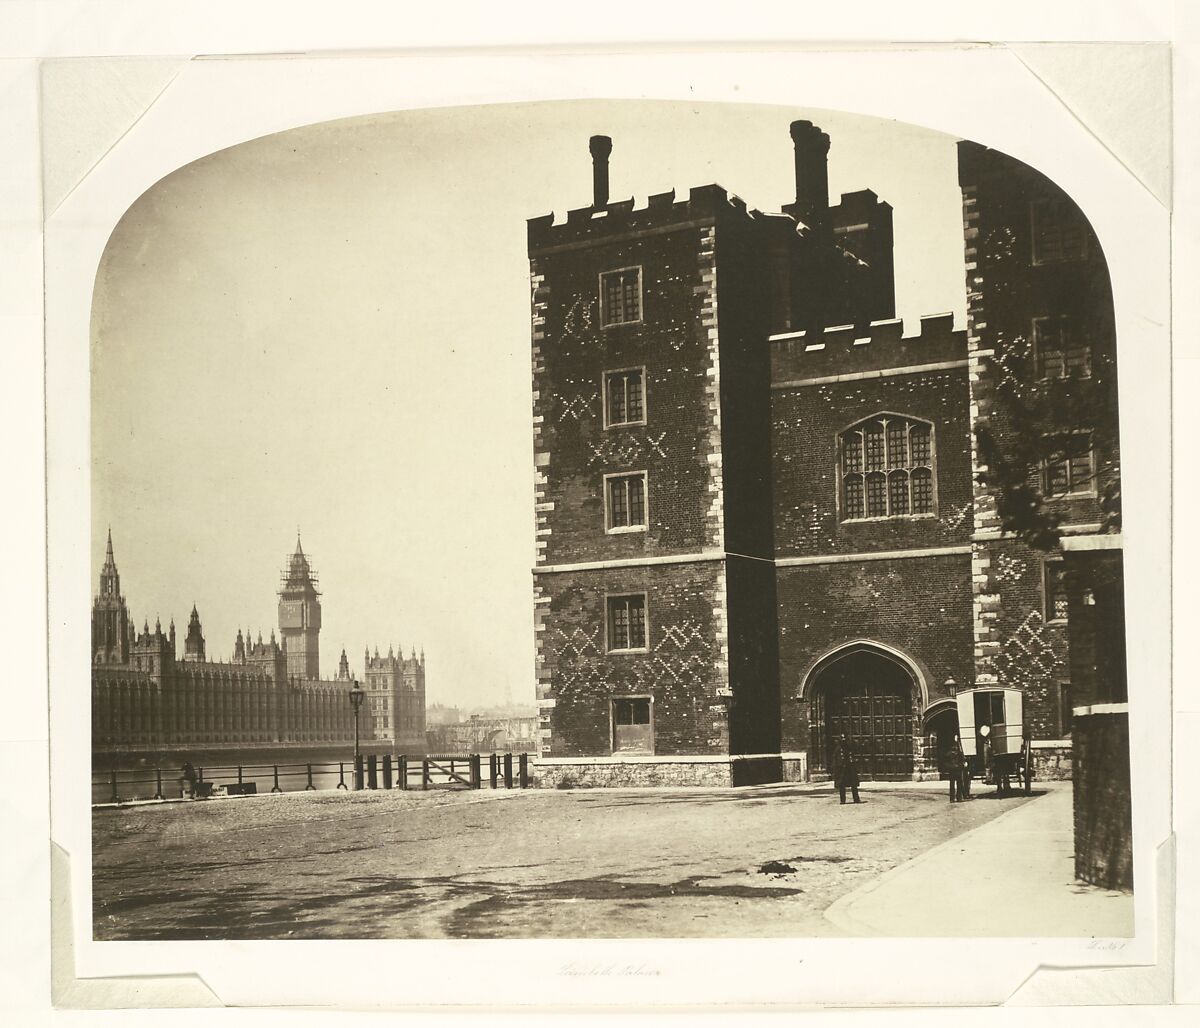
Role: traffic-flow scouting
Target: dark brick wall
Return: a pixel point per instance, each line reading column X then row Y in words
column 683, row 668
column 1103, row 808
column 673, row 445
column 1017, row 642
column 1031, row 651
column 1010, row 290
column 920, row 606
column 1103, row 804
column 745, row 377
column 807, row 422
column 862, row 224
column 706, row 451
column 753, row 656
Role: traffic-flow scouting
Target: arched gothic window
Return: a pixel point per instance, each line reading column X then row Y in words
column 887, row 468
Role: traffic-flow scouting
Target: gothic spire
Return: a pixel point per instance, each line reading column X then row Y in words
column 110, row 581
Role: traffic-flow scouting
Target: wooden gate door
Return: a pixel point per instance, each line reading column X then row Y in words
column 877, row 719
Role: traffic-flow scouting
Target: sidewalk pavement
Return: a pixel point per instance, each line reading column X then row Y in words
column 1011, row 877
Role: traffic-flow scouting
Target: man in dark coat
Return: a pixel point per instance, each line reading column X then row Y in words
column 189, row 780
column 845, row 768
column 956, row 765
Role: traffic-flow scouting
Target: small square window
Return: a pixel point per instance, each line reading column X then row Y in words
column 621, row 297
column 1054, row 591
column 1059, row 352
column 627, row 622
column 624, row 398
column 625, row 502
column 1069, row 468
column 1059, row 232
column 631, row 712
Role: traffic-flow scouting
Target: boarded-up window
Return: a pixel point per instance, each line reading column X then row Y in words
column 1069, row 467
column 632, row 731
column 1059, row 232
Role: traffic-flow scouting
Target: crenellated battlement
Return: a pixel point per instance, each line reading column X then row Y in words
column 661, row 210
column 882, row 345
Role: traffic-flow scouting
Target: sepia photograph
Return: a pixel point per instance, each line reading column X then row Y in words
column 607, row 519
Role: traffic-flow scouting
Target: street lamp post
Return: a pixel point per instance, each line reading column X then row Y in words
column 356, row 698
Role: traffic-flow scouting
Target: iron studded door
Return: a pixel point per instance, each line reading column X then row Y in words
column 878, row 722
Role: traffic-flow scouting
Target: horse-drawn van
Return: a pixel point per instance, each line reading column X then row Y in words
column 992, row 732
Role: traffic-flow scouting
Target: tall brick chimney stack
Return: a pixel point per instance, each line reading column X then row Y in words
column 601, row 147
column 812, row 175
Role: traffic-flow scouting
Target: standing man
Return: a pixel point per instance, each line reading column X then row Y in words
column 189, row 780
column 845, row 768
column 956, row 765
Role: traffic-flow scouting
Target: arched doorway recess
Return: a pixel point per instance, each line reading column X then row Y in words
column 870, row 694
column 940, row 721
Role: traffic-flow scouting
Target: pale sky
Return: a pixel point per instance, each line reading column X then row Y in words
column 328, row 329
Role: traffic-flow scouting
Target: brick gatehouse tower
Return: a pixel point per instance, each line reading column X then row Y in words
column 758, row 520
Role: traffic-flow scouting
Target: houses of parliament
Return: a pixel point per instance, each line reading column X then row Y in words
column 148, row 699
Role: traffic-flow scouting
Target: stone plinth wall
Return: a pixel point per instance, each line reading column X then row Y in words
column 615, row 772
column 795, row 767
column 1053, row 762
column 601, row 773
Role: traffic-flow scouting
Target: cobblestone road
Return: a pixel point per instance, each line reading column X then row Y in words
column 604, row 863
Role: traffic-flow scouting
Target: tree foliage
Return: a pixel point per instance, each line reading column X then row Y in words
column 1030, row 421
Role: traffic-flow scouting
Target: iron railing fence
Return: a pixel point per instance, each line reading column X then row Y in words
column 370, row 771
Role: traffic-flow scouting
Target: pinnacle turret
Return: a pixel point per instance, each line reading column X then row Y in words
column 193, row 644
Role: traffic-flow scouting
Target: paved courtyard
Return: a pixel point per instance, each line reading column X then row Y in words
column 765, row 861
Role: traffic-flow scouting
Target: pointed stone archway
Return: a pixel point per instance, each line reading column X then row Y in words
column 939, row 723
column 871, row 693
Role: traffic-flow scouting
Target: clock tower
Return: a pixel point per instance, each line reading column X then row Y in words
column 300, row 616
